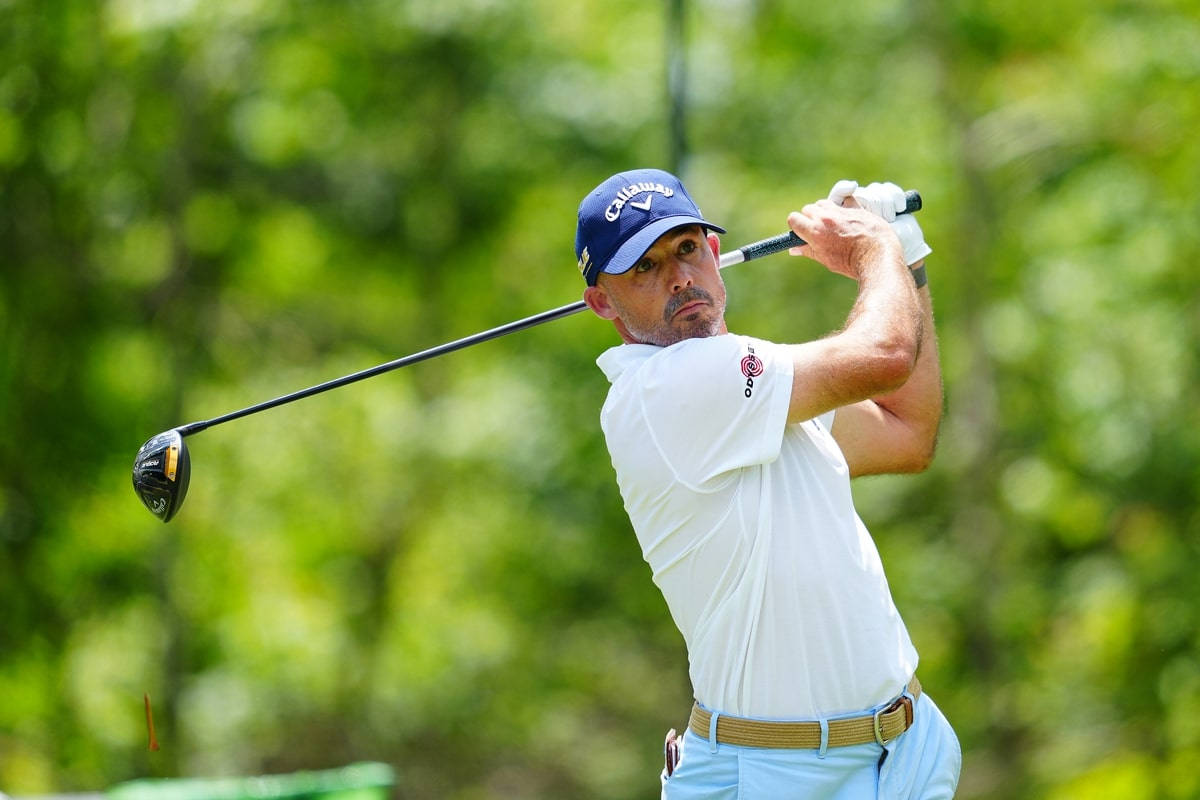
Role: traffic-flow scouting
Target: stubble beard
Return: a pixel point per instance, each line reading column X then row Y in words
column 698, row 324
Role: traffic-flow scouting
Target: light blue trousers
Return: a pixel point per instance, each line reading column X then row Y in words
column 923, row 763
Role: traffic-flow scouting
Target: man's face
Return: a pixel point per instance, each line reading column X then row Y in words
column 673, row 292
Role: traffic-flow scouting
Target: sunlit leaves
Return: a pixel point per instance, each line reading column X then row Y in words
column 209, row 204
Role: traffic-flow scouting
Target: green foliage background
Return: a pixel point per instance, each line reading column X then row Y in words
column 206, row 204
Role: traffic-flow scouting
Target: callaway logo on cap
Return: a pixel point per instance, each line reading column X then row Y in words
column 622, row 217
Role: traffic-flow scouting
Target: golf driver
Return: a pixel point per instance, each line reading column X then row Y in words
column 162, row 467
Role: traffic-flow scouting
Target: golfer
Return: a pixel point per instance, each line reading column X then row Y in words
column 734, row 457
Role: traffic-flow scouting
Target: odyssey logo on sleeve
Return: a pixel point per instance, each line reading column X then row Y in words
column 752, row 367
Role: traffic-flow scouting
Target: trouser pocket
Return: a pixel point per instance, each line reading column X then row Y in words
column 671, row 753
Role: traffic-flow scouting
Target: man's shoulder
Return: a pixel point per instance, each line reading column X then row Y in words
column 617, row 361
column 628, row 359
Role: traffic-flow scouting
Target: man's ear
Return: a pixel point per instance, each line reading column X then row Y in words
column 597, row 300
column 714, row 244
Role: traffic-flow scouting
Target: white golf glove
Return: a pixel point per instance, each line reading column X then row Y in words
column 886, row 200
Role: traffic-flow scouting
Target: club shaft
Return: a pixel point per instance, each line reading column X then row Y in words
column 759, row 249
column 442, row 349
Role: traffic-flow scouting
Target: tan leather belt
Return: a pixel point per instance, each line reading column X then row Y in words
column 881, row 727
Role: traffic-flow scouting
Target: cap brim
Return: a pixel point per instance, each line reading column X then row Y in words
column 628, row 254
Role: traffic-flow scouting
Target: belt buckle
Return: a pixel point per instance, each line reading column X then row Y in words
column 877, row 718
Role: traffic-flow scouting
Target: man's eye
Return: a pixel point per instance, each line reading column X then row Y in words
column 645, row 265
column 687, row 246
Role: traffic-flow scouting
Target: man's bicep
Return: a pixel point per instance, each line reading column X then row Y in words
column 833, row 373
column 873, row 440
column 816, row 380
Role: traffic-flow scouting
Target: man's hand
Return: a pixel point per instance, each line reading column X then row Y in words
column 846, row 240
column 885, row 200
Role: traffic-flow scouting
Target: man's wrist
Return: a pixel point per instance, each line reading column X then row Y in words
column 919, row 276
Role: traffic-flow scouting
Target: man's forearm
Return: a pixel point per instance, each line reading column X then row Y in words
column 918, row 403
column 887, row 311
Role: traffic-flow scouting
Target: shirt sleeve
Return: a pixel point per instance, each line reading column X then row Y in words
column 717, row 404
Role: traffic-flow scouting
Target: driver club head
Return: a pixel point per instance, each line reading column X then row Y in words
column 161, row 471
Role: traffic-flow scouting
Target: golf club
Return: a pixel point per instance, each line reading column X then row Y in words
column 162, row 467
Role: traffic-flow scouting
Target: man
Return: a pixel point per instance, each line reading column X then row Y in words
column 734, row 456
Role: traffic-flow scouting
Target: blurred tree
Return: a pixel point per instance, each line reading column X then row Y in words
column 206, row 205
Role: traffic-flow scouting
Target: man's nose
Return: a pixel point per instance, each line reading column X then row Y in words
column 681, row 276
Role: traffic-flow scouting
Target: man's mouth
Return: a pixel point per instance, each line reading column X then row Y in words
column 687, row 303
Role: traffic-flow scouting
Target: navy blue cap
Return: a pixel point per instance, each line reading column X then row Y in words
column 621, row 218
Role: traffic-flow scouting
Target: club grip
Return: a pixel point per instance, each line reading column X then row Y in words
column 785, row 241
column 766, row 247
